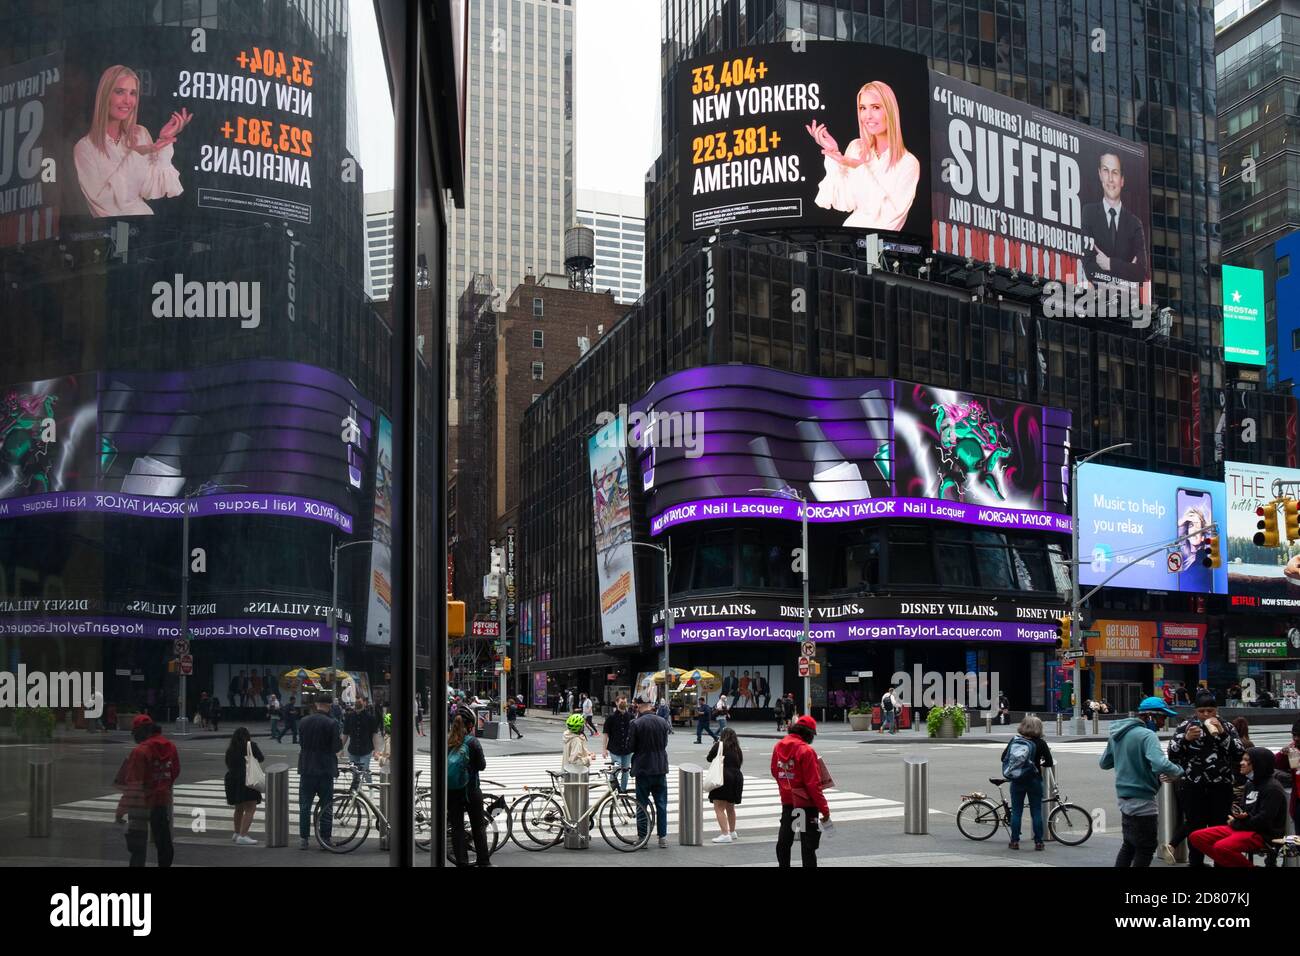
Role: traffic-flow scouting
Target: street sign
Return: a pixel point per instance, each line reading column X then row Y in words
column 852, row 679
column 804, row 667
column 807, row 649
column 1074, row 654
column 187, row 664
column 1090, row 635
column 1174, row 561
column 485, row 629
column 180, row 647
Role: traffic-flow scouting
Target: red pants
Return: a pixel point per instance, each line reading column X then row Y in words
column 1226, row 846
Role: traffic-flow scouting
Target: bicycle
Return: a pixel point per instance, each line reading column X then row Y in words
column 978, row 817
column 544, row 817
column 353, row 813
column 496, row 816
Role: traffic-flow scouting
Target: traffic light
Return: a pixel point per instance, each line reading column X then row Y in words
column 1266, row 537
column 1291, row 509
column 506, row 665
column 455, row 618
column 1212, row 557
column 1063, row 632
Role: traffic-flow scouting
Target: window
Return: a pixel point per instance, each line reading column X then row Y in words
column 537, row 338
column 539, row 371
column 537, row 305
column 1284, row 267
column 1295, row 340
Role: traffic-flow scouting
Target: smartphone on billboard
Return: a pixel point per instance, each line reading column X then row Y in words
column 1195, row 514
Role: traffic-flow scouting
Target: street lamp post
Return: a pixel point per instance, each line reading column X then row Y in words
column 182, row 721
column 665, row 550
column 1075, row 629
column 807, row 609
column 334, row 595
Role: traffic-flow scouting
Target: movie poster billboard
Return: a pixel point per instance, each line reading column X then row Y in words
column 1257, row 576
column 47, row 437
column 612, row 522
column 1021, row 188
column 31, row 104
column 814, row 134
column 170, row 122
column 855, row 448
column 1124, row 514
column 379, row 616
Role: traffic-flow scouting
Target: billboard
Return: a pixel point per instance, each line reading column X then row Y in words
column 1022, row 188
column 1166, row 642
column 708, row 440
column 612, row 519
column 1125, row 513
column 1268, row 577
column 379, row 618
column 166, row 121
column 31, row 103
column 240, row 438
column 1243, row 316
column 818, row 135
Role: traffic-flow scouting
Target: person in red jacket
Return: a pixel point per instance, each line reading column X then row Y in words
column 1288, row 759
column 146, row 779
column 794, row 765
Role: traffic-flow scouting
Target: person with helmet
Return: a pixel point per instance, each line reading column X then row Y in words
column 795, row 766
column 1133, row 752
column 577, row 758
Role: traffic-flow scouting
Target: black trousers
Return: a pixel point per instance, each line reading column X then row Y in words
column 1201, row 806
column 809, row 840
column 1139, row 841
column 157, row 821
column 458, row 803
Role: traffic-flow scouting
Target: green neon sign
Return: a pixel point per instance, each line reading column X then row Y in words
column 1243, row 316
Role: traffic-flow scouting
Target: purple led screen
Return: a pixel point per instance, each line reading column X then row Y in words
column 714, row 632
column 855, row 447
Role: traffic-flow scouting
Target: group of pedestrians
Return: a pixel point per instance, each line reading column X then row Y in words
column 1231, row 797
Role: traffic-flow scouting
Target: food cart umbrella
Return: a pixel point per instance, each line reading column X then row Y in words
column 300, row 674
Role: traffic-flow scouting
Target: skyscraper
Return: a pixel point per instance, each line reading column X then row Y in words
column 519, row 163
column 619, row 223
column 379, row 243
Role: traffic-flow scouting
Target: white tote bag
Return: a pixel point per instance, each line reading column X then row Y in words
column 713, row 779
column 254, row 777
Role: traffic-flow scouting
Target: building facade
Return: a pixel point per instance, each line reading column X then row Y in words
column 519, row 153
column 379, row 243
column 619, row 224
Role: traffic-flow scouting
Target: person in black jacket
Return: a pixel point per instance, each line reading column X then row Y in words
column 467, row 799
column 1259, row 820
column 1209, row 751
column 1031, row 785
column 725, row 797
column 1119, row 245
column 618, row 722
column 318, row 765
column 648, row 741
column 238, row 794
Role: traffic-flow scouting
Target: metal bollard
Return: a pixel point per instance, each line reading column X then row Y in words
column 277, row 805
column 385, row 803
column 576, row 801
column 1095, row 731
column 916, row 799
column 988, row 723
column 690, row 804
column 1168, row 817
column 40, row 796
column 1060, row 725
column 1049, row 781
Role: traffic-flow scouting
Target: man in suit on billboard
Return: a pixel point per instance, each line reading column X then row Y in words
column 1118, row 247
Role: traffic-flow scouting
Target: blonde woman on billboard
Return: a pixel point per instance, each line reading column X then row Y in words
column 875, row 178
column 119, row 165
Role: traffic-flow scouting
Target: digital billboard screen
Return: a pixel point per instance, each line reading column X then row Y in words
column 706, row 438
column 1243, row 316
column 1025, row 189
column 611, row 508
column 1124, row 513
column 1267, row 577
column 810, row 134
column 31, row 102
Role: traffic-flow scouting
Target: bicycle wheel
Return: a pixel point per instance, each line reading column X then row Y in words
column 977, row 819
column 1070, row 824
column 618, row 823
column 491, row 832
column 350, row 825
column 423, row 820
column 497, row 812
column 541, row 818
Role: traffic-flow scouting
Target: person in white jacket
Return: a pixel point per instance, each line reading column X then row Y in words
column 119, row 165
column 875, row 178
column 576, row 757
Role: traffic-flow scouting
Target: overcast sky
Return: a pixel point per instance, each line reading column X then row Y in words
column 617, row 80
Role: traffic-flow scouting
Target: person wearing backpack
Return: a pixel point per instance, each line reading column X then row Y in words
column 1022, row 763
column 887, row 712
column 465, row 761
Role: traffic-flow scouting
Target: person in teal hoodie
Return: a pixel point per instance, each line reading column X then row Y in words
column 1133, row 751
